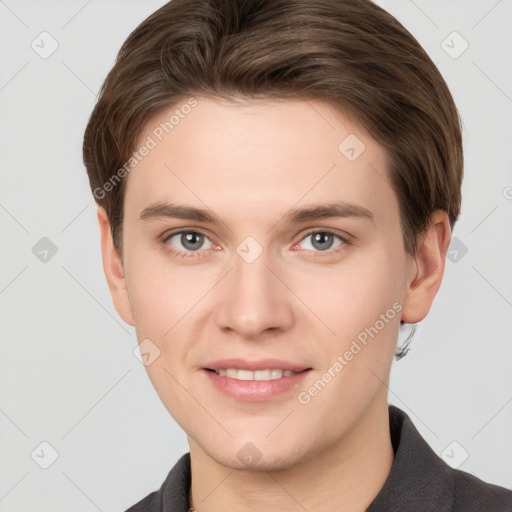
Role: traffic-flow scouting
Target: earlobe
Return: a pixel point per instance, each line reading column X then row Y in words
column 427, row 268
column 113, row 268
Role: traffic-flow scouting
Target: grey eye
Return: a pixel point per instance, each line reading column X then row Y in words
column 189, row 241
column 192, row 241
column 321, row 241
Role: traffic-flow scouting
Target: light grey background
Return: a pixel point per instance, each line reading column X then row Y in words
column 67, row 372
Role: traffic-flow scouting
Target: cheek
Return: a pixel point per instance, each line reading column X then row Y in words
column 160, row 294
column 363, row 309
column 350, row 298
column 374, row 310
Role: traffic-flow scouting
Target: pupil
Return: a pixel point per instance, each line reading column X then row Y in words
column 322, row 241
column 192, row 241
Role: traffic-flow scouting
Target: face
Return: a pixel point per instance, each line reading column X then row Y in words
column 264, row 264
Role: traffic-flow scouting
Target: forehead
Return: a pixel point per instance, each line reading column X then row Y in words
column 258, row 157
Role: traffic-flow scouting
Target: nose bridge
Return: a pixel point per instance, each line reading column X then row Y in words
column 254, row 300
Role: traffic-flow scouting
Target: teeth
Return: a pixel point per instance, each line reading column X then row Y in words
column 245, row 375
column 270, row 374
column 264, row 374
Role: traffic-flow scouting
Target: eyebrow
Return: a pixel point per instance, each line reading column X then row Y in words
column 294, row 216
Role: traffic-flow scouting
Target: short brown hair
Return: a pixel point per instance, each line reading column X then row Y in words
column 349, row 53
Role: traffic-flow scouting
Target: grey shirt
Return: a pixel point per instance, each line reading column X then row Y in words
column 419, row 481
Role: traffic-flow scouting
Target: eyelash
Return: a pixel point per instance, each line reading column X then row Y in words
column 197, row 254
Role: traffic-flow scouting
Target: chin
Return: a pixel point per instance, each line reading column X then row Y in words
column 265, row 464
column 251, row 458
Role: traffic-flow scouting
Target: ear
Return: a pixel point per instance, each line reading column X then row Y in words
column 427, row 268
column 113, row 268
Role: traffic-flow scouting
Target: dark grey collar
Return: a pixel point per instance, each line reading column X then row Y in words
column 419, row 480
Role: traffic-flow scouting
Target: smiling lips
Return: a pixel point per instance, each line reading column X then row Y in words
column 256, row 380
column 234, row 373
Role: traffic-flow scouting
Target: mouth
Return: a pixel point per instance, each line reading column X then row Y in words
column 261, row 375
column 255, row 381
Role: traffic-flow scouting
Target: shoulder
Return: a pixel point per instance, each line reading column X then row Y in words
column 475, row 495
column 151, row 503
column 421, row 481
column 173, row 494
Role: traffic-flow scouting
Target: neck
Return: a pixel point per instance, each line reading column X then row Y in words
column 346, row 475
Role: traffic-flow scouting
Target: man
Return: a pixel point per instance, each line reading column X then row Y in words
column 277, row 182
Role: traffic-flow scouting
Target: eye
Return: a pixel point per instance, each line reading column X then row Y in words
column 322, row 241
column 184, row 242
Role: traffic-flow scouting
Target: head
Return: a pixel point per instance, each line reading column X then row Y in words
column 312, row 152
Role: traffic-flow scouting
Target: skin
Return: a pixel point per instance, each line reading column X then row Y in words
column 249, row 163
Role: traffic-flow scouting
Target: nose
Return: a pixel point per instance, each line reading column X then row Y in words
column 254, row 300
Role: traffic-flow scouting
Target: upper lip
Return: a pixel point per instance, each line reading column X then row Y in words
column 260, row 364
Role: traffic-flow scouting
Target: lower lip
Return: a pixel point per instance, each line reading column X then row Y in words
column 255, row 390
